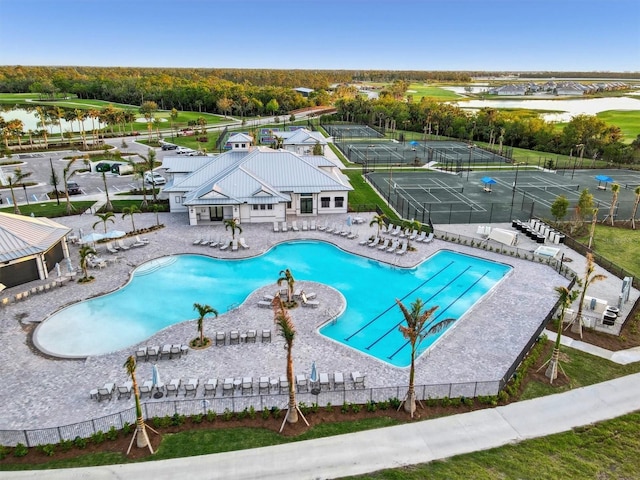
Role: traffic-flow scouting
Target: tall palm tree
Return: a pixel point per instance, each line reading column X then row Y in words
column 417, row 328
column 635, row 208
column 287, row 330
column 58, row 113
column 93, row 114
column 43, row 121
column 287, row 276
column 15, row 179
column 67, row 173
column 107, row 206
column 79, row 116
column 157, row 208
column 378, row 220
column 140, row 433
column 104, row 218
column 615, row 190
column 130, row 211
column 588, row 279
column 233, row 224
column 149, row 164
column 85, row 252
column 566, row 298
column 203, row 310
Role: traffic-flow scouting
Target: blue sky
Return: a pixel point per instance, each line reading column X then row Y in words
column 496, row 35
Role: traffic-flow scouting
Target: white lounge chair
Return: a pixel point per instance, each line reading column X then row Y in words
column 153, row 352
column 374, row 242
column 284, row 227
column 243, row 244
column 276, row 228
column 142, row 240
column 266, row 336
column 414, row 235
column 330, row 229
column 313, row 225
column 210, row 386
column 394, row 246
column 396, row 231
column 305, row 225
column 227, row 387
column 338, row 380
column 264, row 304
column 322, row 228
column 388, row 228
column 263, row 385
column 125, row 389
column 309, row 303
column 421, row 237
column 110, row 248
column 141, row 354
column 358, row 380
column 234, row 245
column 301, row 383
column 234, row 337
column 191, row 386
column 122, row 245
column 428, row 238
column 352, row 235
column 251, row 336
column 247, row 385
column 386, row 244
column 284, row 384
column 106, row 391
column 403, row 248
column 221, row 338
column 165, row 351
column 146, row 387
column 197, row 241
column 225, row 244
column 294, row 226
column 324, row 381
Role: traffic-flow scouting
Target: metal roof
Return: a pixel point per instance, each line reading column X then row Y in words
column 22, row 236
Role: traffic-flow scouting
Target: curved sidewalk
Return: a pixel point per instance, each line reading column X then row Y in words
column 392, row 447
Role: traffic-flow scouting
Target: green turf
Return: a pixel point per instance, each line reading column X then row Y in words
column 621, row 246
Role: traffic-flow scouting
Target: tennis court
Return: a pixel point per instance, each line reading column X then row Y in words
column 342, row 131
column 465, row 198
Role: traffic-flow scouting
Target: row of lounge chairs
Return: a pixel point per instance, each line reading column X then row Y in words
column 155, row 352
column 58, row 282
column 236, row 338
column 285, row 227
column 413, row 235
column 389, row 245
column 118, row 245
column 222, row 244
column 307, row 299
column 337, row 229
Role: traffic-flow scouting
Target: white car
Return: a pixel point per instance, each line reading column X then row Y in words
column 184, row 151
column 154, row 178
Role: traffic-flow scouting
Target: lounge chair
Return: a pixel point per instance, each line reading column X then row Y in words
column 428, row 238
column 234, row 337
column 313, row 225
column 266, row 336
column 227, row 387
column 322, row 228
column 276, row 228
column 142, row 240
column 386, row 244
column 175, row 351
column 141, row 354
column 331, row 228
column 374, row 242
column 324, row 381
column 364, row 241
column 305, row 225
column 263, row 385
column 421, row 237
column 153, row 352
column 243, row 244
column 247, row 385
column 165, row 351
column 110, row 248
column 125, row 389
column 264, row 304
column 284, row 227
column 198, row 241
column 310, row 295
column 309, row 303
column 403, row 248
column 396, row 231
column 405, row 233
column 138, row 244
column 393, row 246
column 234, row 245
column 146, row 387
column 388, row 228
column 225, row 244
column 302, row 383
column 358, row 380
column 121, row 244
column 338, row 380
column 215, row 243
column 414, row 235
column 294, row 226
column 221, row 338
column 106, row 391
column 191, row 386
column 210, row 386
column 284, row 384
column 352, row 235
column 174, row 386
column 251, row 336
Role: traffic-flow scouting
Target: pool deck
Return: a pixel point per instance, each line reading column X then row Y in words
column 45, row 392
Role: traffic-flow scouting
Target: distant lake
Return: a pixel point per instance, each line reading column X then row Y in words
column 31, row 121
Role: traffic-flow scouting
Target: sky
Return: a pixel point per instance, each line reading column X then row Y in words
column 484, row 35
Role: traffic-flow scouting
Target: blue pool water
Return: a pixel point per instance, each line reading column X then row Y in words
column 162, row 293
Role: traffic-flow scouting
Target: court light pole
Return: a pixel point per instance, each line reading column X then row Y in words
column 515, row 184
column 469, row 167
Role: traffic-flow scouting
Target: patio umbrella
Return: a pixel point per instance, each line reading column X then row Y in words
column 58, row 270
column 69, row 266
column 349, row 221
column 413, row 143
column 92, row 237
column 488, row 180
column 115, row 234
column 155, row 380
column 313, row 378
column 603, row 178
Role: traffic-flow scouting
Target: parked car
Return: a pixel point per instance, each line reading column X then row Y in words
column 103, row 167
column 73, row 188
column 169, row 146
column 184, row 151
column 154, row 178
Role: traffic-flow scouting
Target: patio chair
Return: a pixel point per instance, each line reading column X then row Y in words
column 266, row 336
column 324, row 381
column 309, row 303
column 284, row 384
column 264, row 304
column 302, row 383
column 221, row 338
column 142, row 240
column 110, row 248
column 121, row 244
column 175, row 351
column 294, row 226
column 141, row 354
column 338, row 380
column 428, row 238
column 225, row 244
column 106, row 391
column 210, row 387
column 322, row 227
column 284, row 227
column 385, row 245
column 174, row 386
column 125, row 389
column 153, row 352
column 358, row 380
column 403, row 248
column 313, row 225
column 234, row 245
column 374, row 243
column 394, row 246
column 421, row 237
column 227, row 387
column 251, row 336
column 191, row 386
column 305, row 225
column 146, row 387
column 243, row 243
column 165, row 352
column 276, row 228
column 263, row 385
column 247, row 385
column 234, row 337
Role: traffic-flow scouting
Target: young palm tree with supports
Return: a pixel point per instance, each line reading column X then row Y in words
column 14, row 179
column 67, row 173
column 287, row 277
column 140, row 433
column 233, row 224
column 104, row 218
column 203, row 310
column 615, row 190
column 588, row 279
column 635, row 208
column 108, row 207
column 287, row 330
column 85, row 252
column 565, row 298
column 149, row 164
column 131, row 211
column 379, row 221
column 417, row 328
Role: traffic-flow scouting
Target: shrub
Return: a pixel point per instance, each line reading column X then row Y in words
column 252, row 412
column 503, row 396
column 371, row 406
column 345, row 407
column 227, row 414
column 355, row 408
column 211, row 416
column 48, row 449
column 455, row 402
column 467, row 401
column 275, row 411
column 112, row 434
column 315, row 407
column 98, row 437
column 80, row 442
column 383, row 405
column 127, row 428
column 328, row 407
column 20, row 450
column 66, row 445
column 395, row 402
column 432, row 402
column 198, row 418
column 266, row 413
column 4, row 451
column 445, row 402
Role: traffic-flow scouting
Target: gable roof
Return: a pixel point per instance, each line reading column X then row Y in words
column 304, row 137
column 21, row 236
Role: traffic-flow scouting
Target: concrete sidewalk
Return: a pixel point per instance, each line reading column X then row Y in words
column 392, row 447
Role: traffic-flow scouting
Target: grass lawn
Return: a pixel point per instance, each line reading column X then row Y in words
column 618, row 245
column 51, row 209
column 421, row 90
column 628, row 121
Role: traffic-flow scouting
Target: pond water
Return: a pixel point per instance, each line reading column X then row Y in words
column 31, row 121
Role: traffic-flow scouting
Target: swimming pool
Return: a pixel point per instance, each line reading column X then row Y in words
column 162, row 292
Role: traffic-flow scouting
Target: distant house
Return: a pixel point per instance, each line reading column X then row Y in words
column 570, row 88
column 305, row 92
column 29, row 248
column 302, row 141
column 510, row 90
column 254, row 185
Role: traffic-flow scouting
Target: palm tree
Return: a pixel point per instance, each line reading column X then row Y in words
column 130, row 211
column 287, row 330
column 140, row 433
column 104, row 218
column 107, row 206
column 417, row 328
column 85, row 252
column 588, row 279
column 287, row 276
column 203, row 310
column 615, row 189
column 13, row 180
column 79, row 116
column 413, row 225
column 67, row 173
column 378, row 220
column 43, row 121
column 148, row 164
column 57, row 112
column 635, row 207
column 157, row 208
column 565, row 299
column 233, row 224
